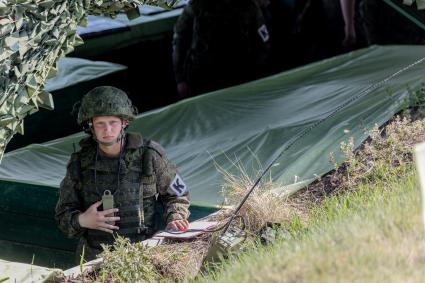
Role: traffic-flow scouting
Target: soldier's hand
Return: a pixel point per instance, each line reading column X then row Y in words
column 94, row 219
column 178, row 225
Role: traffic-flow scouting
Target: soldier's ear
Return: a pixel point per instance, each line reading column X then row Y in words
column 124, row 124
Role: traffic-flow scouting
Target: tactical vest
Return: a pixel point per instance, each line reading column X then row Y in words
column 135, row 198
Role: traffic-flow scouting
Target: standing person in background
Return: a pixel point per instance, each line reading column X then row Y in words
column 218, row 44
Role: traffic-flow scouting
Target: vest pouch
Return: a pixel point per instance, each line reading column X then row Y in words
column 148, row 186
column 149, row 192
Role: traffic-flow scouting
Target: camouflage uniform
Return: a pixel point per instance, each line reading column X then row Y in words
column 220, row 43
column 139, row 179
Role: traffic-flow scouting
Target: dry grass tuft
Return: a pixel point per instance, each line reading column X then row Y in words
column 263, row 205
column 180, row 261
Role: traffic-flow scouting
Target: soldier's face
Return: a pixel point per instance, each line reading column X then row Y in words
column 108, row 128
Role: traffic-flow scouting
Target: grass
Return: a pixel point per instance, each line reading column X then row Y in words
column 361, row 223
column 373, row 234
column 134, row 262
column 128, row 262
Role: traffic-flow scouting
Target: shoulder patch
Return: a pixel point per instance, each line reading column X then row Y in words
column 264, row 33
column 178, row 186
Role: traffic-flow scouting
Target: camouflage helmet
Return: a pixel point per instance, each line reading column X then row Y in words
column 105, row 101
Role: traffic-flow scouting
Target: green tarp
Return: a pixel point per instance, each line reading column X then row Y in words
column 125, row 32
column 97, row 26
column 22, row 273
column 257, row 120
column 301, row 115
column 72, row 71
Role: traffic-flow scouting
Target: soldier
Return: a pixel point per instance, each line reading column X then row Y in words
column 114, row 182
column 219, row 43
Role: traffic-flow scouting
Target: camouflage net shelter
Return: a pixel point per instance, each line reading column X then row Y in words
column 34, row 34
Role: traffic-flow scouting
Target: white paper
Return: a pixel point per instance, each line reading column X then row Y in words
column 197, row 225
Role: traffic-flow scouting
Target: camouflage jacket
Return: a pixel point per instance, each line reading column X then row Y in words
column 80, row 189
column 219, row 35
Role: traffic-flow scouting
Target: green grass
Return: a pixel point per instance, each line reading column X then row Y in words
column 374, row 233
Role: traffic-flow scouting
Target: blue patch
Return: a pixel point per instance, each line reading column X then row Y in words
column 178, row 186
column 264, row 33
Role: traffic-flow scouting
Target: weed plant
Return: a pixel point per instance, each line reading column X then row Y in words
column 390, row 147
column 127, row 262
column 134, row 262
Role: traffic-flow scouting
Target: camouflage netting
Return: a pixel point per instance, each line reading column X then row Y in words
column 34, row 35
